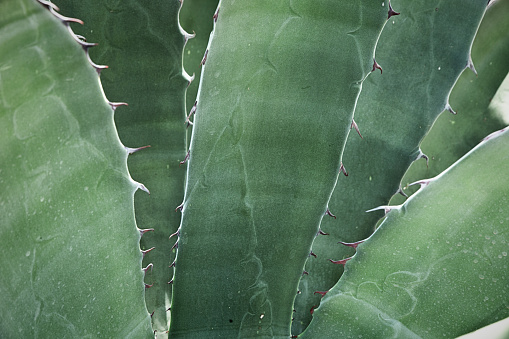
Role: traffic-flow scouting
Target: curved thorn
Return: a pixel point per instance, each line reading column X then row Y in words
column 305, row 272
column 148, row 266
column 354, row 125
column 322, row 293
column 471, row 64
column 216, row 14
column 321, row 232
column 386, row 209
column 351, row 244
column 145, row 230
column 172, row 264
column 62, row 18
column 449, row 108
column 143, row 188
column 343, row 169
column 376, row 66
column 423, row 156
column 146, row 251
column 391, row 11
column 423, row 183
column 114, row 105
column 169, row 283
column 97, row 67
column 134, row 150
column 176, row 245
column 204, row 58
column 147, row 286
column 340, row 262
column 185, row 159
column 179, row 207
column 312, row 254
column 48, row 4
column 328, row 212
column 177, row 233
column 400, row 191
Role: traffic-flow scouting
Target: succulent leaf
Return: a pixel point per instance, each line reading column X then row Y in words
column 444, row 272
column 142, row 44
column 422, row 52
column 69, row 246
column 270, row 125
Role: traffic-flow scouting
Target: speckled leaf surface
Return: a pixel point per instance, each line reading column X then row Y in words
column 271, row 122
column 422, row 52
column 69, row 247
column 142, row 45
column 437, row 266
column 454, row 135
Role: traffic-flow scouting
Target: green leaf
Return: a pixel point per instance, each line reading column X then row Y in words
column 454, row 135
column 274, row 109
column 437, row 265
column 422, row 52
column 142, row 44
column 69, row 247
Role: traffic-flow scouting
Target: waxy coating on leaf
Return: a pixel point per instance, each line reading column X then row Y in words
column 68, row 198
column 422, row 51
column 260, row 133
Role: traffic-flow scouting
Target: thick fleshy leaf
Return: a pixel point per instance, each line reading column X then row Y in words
column 422, row 52
column 437, row 266
column 271, row 122
column 454, row 135
column 142, row 44
column 69, row 247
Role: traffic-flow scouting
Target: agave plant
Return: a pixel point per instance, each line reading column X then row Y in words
column 132, row 207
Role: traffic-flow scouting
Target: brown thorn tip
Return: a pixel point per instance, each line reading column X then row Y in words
column 376, row 66
column 179, row 207
column 148, row 266
column 148, row 286
column 204, row 58
column 145, row 230
column 185, row 159
column 151, row 314
column 146, row 251
column 391, row 11
column 172, row 264
column 354, row 125
column 343, row 169
column 340, row 262
column 449, row 108
column 170, row 282
column 328, row 212
column 312, row 254
column 322, row 293
column 177, row 233
column 216, row 15
column 169, row 309
column 305, row 272
column 351, row 244
column 321, row 232
column 176, row 245
column 114, row 105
